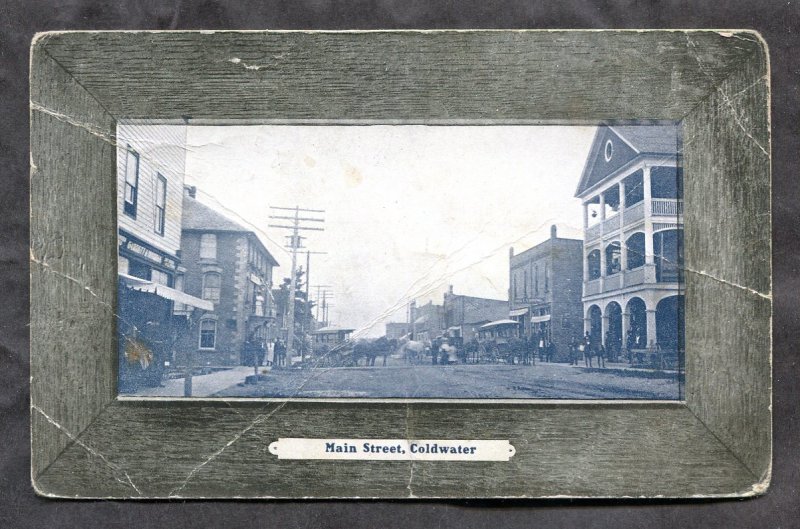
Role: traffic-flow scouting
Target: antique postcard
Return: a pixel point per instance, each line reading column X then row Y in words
column 400, row 261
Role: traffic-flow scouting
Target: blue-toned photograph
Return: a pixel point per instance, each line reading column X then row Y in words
column 392, row 261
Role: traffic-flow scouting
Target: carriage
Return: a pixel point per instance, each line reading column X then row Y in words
column 499, row 342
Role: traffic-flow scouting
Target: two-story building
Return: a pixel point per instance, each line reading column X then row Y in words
column 426, row 321
column 150, row 169
column 396, row 330
column 464, row 315
column 545, row 287
column 631, row 189
column 228, row 265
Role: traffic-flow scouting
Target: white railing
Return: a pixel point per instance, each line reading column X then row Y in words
column 593, row 232
column 613, row 282
column 591, row 287
column 634, row 277
column 611, row 224
column 634, row 213
column 667, row 207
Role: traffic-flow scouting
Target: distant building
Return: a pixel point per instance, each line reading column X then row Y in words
column 227, row 264
column 427, row 321
column 632, row 190
column 463, row 315
column 545, row 292
column 396, row 330
column 150, row 168
column 330, row 336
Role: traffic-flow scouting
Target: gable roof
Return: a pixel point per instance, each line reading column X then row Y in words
column 200, row 217
column 628, row 142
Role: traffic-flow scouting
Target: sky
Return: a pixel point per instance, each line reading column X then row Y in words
column 409, row 209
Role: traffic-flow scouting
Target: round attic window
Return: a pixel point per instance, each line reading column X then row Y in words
column 609, row 152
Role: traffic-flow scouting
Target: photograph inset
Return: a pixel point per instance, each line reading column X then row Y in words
column 400, row 261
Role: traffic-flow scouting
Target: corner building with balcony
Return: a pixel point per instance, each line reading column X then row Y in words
column 632, row 195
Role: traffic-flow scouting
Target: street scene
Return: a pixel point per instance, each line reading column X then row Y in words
column 393, row 261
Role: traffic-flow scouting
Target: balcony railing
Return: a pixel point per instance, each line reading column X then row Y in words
column 613, row 282
column 611, row 224
column 593, row 232
column 668, row 207
column 634, row 213
column 591, row 287
column 634, row 277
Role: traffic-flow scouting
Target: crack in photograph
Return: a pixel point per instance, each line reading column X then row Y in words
column 380, row 261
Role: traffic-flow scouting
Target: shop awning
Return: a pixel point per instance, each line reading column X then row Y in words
column 498, row 323
column 454, row 328
column 421, row 319
column 539, row 319
column 143, row 285
column 518, row 312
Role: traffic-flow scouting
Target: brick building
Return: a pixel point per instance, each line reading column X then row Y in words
column 396, row 330
column 228, row 265
column 427, row 321
column 545, row 285
column 463, row 315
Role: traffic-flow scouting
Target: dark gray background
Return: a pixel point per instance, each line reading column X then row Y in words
column 777, row 21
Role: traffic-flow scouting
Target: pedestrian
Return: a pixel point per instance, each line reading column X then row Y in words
column 573, row 352
column 601, row 356
column 587, row 350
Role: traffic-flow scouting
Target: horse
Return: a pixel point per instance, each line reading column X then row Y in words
column 412, row 350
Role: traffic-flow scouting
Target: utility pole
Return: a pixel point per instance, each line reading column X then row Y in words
column 295, row 244
column 306, row 324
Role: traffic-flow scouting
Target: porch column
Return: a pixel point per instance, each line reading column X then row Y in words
column 626, row 325
column 587, row 325
column 651, row 327
column 603, row 328
column 649, row 254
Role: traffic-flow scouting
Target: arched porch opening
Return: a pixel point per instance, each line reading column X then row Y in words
column 668, row 250
column 637, row 331
column 670, row 323
column 595, row 316
column 613, row 338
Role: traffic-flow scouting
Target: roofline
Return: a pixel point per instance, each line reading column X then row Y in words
column 255, row 236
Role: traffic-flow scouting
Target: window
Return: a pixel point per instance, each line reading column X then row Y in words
column 208, row 334
column 161, row 204
column 122, row 265
column 211, row 286
column 160, row 278
column 131, row 181
column 613, row 258
column 546, row 278
column 208, row 246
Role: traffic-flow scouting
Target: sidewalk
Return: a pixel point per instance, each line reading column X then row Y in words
column 202, row 385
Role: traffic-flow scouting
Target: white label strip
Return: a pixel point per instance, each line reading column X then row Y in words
column 393, row 449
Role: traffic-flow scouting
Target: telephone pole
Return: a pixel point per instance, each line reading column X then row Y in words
column 306, row 323
column 295, row 243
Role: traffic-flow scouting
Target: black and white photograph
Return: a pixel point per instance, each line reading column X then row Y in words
column 384, row 260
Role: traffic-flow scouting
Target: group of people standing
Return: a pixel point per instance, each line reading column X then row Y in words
column 587, row 349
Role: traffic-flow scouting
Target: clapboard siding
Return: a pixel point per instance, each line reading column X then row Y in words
column 162, row 149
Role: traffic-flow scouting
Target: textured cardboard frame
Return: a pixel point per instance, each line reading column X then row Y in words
column 87, row 444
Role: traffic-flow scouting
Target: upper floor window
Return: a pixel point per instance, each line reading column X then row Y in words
column 131, row 182
column 208, row 246
column 161, row 204
column 160, row 278
column 546, row 278
column 212, row 283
